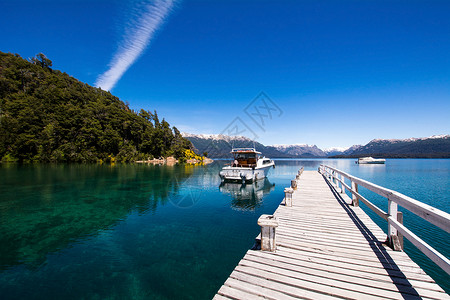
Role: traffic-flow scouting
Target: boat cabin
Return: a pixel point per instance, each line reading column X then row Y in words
column 245, row 157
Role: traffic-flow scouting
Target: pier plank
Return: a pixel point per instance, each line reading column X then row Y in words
column 327, row 248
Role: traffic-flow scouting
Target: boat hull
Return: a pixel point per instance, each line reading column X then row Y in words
column 370, row 161
column 245, row 174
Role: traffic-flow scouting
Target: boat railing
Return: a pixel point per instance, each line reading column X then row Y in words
column 243, row 149
column 394, row 218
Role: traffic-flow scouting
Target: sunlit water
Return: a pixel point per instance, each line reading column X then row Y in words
column 158, row 232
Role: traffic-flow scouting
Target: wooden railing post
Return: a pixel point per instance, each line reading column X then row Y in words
column 268, row 224
column 355, row 199
column 400, row 236
column 342, row 183
column 392, row 231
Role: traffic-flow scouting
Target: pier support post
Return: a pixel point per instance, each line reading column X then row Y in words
column 288, row 196
column 268, row 224
column 355, row 199
column 294, row 184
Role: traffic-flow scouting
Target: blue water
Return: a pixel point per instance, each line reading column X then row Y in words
column 159, row 232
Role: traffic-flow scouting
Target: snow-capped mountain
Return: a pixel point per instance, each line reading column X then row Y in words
column 300, row 150
column 433, row 137
column 334, row 151
column 433, row 146
column 351, row 149
column 218, row 145
column 215, row 137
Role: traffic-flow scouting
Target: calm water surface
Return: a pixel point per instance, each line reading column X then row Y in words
column 158, row 232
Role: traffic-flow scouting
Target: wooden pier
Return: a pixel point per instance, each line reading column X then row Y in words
column 327, row 247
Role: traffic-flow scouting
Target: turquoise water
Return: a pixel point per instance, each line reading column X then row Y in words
column 158, row 232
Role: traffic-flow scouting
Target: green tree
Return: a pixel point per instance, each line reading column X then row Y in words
column 52, row 117
column 41, row 60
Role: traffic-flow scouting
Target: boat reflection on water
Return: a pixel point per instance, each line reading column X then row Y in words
column 247, row 196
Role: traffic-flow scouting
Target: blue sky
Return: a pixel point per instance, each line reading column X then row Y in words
column 340, row 72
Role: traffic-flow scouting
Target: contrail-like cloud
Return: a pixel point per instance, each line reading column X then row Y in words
column 138, row 36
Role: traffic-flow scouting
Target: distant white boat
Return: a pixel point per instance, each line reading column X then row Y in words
column 370, row 160
column 248, row 165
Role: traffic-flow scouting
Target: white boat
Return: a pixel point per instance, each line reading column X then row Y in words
column 370, row 160
column 248, row 165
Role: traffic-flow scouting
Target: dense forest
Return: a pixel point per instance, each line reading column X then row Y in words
column 48, row 116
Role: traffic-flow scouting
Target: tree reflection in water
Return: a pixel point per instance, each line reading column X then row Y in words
column 57, row 205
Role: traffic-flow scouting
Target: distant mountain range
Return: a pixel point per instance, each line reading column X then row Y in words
column 436, row 146
column 219, row 146
column 300, row 150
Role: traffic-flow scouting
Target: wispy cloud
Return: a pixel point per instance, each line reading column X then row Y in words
column 138, row 35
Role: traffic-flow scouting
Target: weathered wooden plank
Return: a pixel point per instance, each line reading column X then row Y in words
column 313, row 285
column 377, row 248
column 220, row 297
column 311, row 231
column 343, row 281
column 341, row 278
column 351, row 263
column 330, row 228
column 333, row 229
column 370, row 273
column 274, row 289
column 228, row 290
column 360, row 256
column 356, row 243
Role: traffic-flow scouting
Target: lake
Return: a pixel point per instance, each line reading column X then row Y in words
column 159, row 232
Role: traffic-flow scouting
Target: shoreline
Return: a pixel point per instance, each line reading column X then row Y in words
column 170, row 161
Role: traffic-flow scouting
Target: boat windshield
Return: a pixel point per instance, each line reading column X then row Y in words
column 244, row 159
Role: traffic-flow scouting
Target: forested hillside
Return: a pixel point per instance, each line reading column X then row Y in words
column 48, row 116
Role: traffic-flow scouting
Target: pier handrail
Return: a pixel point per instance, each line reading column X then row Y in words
column 396, row 229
